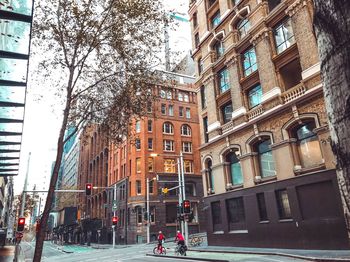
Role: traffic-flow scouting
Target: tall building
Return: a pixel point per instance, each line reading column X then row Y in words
column 268, row 169
column 170, row 126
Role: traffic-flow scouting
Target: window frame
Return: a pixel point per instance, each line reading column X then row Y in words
column 188, row 129
column 170, row 143
column 253, row 67
column 223, row 113
column 187, row 147
column 286, row 42
column 171, row 128
column 223, row 80
column 251, row 92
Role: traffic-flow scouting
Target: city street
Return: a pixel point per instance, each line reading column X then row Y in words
column 135, row 253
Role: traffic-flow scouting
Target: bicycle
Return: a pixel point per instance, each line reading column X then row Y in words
column 196, row 241
column 180, row 250
column 159, row 251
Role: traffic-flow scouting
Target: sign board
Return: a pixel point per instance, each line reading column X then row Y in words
column 114, row 208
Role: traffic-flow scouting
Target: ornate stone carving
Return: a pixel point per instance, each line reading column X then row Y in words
column 295, row 7
column 208, row 79
column 264, row 33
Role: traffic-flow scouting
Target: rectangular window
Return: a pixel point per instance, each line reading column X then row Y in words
column 196, row 40
column 249, row 62
column 138, row 187
column 262, row 207
column 235, row 213
column 171, row 110
column 223, row 80
column 187, row 147
column 226, row 111
column 284, row 36
column 194, row 20
column 138, row 165
column 169, row 165
column 150, row 144
column 168, row 145
column 152, row 217
column 149, row 125
column 205, row 129
column 200, row 66
column 139, row 215
column 181, row 111
column 188, row 112
column 203, row 97
column 215, row 19
column 188, row 166
column 216, row 215
column 151, row 186
column 138, row 126
column 138, row 144
column 283, row 204
column 254, row 96
column 150, row 164
column 163, row 109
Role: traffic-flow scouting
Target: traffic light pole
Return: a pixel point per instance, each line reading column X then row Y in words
column 147, row 208
column 183, row 192
column 180, row 192
column 114, row 211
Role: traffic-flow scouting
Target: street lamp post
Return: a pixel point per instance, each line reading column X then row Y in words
column 147, row 208
column 114, row 210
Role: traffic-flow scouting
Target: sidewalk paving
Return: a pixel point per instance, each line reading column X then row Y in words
column 314, row 255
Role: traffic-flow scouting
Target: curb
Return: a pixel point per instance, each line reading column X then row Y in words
column 275, row 254
column 188, row 258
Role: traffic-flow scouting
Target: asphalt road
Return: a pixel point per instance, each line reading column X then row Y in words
column 135, row 253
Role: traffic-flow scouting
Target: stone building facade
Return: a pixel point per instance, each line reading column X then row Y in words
column 170, row 126
column 266, row 160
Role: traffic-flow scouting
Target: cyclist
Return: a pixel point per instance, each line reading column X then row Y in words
column 161, row 239
column 180, row 241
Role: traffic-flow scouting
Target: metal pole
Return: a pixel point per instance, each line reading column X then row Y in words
column 180, row 191
column 183, row 192
column 147, row 208
column 114, row 211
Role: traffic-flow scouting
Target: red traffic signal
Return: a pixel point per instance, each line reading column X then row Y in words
column 114, row 221
column 88, row 189
column 20, row 224
column 186, row 206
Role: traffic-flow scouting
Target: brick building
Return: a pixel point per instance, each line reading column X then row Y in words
column 267, row 166
column 170, row 126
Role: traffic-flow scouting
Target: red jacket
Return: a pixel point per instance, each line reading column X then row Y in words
column 161, row 237
column 179, row 237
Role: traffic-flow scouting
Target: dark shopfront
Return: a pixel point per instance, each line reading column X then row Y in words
column 302, row 212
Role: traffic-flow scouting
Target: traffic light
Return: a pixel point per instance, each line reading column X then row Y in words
column 186, row 206
column 114, row 221
column 88, row 189
column 20, row 224
column 165, row 190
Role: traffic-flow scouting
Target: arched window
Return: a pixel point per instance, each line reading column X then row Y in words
column 243, row 27
column 209, row 175
column 168, row 128
column 233, row 169
column 219, row 49
column 308, row 145
column 185, row 130
column 265, row 158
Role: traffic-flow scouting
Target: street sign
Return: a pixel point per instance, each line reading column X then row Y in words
column 114, row 208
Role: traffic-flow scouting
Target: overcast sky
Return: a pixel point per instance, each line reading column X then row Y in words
column 42, row 123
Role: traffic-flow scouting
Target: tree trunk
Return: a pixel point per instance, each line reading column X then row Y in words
column 332, row 27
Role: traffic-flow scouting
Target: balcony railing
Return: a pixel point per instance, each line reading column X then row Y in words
column 227, row 127
column 257, row 111
column 294, row 93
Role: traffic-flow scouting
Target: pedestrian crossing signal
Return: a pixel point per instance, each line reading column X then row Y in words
column 114, row 221
column 20, row 224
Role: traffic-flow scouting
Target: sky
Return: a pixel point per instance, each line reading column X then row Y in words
column 42, row 119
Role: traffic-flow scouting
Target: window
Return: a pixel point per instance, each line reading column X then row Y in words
column 138, row 214
column 171, row 110
column 180, row 97
column 243, row 27
column 150, row 164
column 149, row 107
column 138, row 165
column 168, row 128
column 205, row 129
column 200, row 66
column 215, row 19
column 185, row 130
column 235, row 213
column 150, row 143
column 138, row 187
column 188, row 112
column 284, row 36
column 216, row 215
column 163, row 109
column 151, row 186
column 186, row 98
column 262, row 207
column 195, row 21
column 187, row 147
column 219, row 49
column 226, row 111
column 224, row 83
column 138, row 144
column 190, row 189
column 283, row 204
column 152, row 214
column 234, row 168
column 168, row 145
column 254, row 96
column 266, row 162
column 273, row 3
column 181, row 111
column 138, row 126
column 169, row 95
column 249, row 62
column 149, row 125
column 209, row 174
column 162, row 93
column 169, row 165
column 308, row 145
column 188, row 166
column 196, row 40
column 203, row 97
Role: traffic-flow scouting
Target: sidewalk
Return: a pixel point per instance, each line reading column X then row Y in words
column 313, row 255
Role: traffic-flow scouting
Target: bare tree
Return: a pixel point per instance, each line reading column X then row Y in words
column 99, row 57
column 332, row 27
